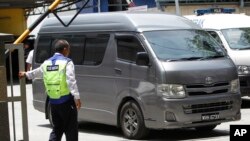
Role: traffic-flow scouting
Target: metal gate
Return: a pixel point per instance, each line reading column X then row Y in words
column 13, row 100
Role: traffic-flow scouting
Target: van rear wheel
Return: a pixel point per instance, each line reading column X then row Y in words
column 132, row 121
column 205, row 128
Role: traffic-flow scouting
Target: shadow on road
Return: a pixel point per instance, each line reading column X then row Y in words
column 245, row 104
column 100, row 129
column 154, row 135
column 184, row 134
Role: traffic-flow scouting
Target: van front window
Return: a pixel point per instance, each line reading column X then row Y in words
column 177, row 45
column 237, row 38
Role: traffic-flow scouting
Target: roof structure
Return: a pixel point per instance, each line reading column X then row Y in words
column 17, row 3
column 32, row 7
column 26, row 3
column 6, row 37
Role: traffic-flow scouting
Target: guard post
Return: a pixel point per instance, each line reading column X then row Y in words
column 8, row 98
column 12, row 97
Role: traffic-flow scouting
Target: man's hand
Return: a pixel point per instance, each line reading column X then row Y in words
column 78, row 104
column 21, row 74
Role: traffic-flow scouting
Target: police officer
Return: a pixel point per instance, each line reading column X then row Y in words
column 60, row 83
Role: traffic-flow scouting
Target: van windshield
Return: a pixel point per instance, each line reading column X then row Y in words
column 237, row 38
column 175, row 45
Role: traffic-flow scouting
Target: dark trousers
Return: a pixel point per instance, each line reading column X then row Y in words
column 64, row 118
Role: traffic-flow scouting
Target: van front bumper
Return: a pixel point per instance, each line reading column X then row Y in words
column 245, row 85
column 194, row 111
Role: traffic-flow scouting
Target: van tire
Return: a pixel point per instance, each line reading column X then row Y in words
column 132, row 121
column 50, row 115
column 206, row 128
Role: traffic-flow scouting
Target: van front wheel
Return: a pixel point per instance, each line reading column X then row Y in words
column 132, row 121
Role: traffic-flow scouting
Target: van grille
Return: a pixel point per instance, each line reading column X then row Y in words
column 200, row 89
column 243, row 83
column 205, row 93
column 205, row 86
column 208, row 107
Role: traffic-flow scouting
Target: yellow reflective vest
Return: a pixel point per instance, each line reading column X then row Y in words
column 54, row 76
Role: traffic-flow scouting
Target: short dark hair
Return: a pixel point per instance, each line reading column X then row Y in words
column 60, row 44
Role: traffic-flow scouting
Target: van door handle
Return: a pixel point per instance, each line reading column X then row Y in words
column 118, row 71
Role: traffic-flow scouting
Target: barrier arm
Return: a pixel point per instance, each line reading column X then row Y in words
column 28, row 30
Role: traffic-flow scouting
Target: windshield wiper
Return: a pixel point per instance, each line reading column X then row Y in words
column 244, row 48
column 184, row 59
column 195, row 58
column 212, row 57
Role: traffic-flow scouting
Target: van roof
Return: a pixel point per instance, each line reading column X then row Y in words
column 115, row 21
column 221, row 21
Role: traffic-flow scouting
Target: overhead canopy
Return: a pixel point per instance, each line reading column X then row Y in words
column 17, row 3
column 25, row 3
column 6, row 37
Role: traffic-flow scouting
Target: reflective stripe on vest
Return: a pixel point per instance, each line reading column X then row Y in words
column 54, row 76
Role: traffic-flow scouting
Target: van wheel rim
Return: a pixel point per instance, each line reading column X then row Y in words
column 130, row 121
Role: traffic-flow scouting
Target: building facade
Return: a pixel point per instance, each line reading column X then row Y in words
column 187, row 7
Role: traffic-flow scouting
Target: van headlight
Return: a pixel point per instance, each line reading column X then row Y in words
column 235, row 86
column 243, row 70
column 171, row 90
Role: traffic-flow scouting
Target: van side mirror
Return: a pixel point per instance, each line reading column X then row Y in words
column 142, row 59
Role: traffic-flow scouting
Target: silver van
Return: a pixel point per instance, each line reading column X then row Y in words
column 143, row 71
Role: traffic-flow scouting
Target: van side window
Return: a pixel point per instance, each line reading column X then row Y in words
column 128, row 47
column 77, row 50
column 215, row 36
column 43, row 49
column 76, row 43
column 94, row 49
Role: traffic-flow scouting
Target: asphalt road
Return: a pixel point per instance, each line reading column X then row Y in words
column 39, row 128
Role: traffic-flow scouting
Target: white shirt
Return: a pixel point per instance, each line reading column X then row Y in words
column 70, row 77
column 30, row 57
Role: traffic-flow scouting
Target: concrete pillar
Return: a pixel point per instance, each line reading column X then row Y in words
column 177, row 7
column 158, row 6
column 4, row 118
column 241, row 3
